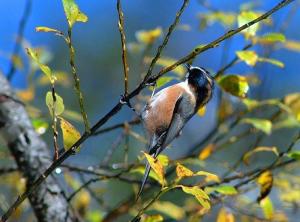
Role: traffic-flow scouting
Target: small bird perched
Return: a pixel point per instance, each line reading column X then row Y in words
column 168, row 111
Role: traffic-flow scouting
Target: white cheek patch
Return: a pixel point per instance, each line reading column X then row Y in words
column 186, row 87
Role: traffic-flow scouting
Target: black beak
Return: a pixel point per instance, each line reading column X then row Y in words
column 187, row 66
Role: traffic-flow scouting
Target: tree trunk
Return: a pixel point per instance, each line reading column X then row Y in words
column 32, row 157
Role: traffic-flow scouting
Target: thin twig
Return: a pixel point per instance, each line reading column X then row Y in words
column 123, row 42
column 77, row 81
column 119, row 105
column 17, row 46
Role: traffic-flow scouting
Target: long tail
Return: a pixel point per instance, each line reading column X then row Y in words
column 146, row 174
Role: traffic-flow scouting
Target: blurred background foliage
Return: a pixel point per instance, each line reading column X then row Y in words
column 252, row 119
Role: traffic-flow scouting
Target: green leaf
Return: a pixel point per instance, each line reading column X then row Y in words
column 272, row 61
column 152, row 218
column 208, row 176
column 223, row 189
column 94, row 216
column 294, row 155
column 70, row 133
column 234, row 84
column 288, row 122
column 248, row 56
column 199, row 194
column 47, row 29
column 272, row 37
column 261, row 124
column 45, row 69
column 267, row 208
column 227, row 19
column 73, row 13
column 247, row 155
column 40, row 125
column 59, row 104
column 246, row 17
column 163, row 80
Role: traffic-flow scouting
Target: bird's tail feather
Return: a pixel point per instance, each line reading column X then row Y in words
column 146, row 174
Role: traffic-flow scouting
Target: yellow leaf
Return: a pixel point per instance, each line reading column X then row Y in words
column 292, row 45
column 293, row 101
column 47, row 29
column 265, row 180
column 246, row 17
column 207, row 151
column 182, row 171
column 170, row 209
column 81, row 202
column 163, row 159
column 208, row 176
column 261, row 124
column 267, row 208
column 157, row 168
column 26, row 95
column 248, row 56
column 152, row 218
column 148, row 36
column 201, row 111
column 234, row 84
column 199, row 194
column 223, row 189
column 225, row 216
column 73, row 13
column 247, row 155
column 70, row 133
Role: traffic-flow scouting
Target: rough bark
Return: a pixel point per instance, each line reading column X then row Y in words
column 32, row 157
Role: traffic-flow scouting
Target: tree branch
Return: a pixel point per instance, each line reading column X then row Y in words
column 135, row 92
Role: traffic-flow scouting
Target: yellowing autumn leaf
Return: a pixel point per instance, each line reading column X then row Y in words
column 183, row 171
column 234, row 84
column 265, row 180
column 157, row 168
column 208, row 176
column 248, row 56
column 148, row 36
column 267, row 208
column 207, row 151
column 199, row 194
column 73, row 13
column 70, row 133
column 225, row 216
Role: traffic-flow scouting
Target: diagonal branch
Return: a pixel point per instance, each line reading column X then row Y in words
column 135, row 92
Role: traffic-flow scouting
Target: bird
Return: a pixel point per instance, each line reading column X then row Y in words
column 167, row 111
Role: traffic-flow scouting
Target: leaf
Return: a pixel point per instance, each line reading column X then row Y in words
column 208, row 176
column 45, row 69
column 157, row 168
column 73, row 13
column 59, row 104
column 94, row 216
column 267, row 208
column 293, row 101
column 227, row 19
column 70, row 133
column 182, row 171
column 292, row 45
column 40, row 125
column 246, row 17
column 289, row 122
column 148, row 36
column 199, row 194
column 294, row 155
column 261, row 124
column 201, row 111
column 163, row 159
column 207, row 151
column 265, row 180
column 152, row 218
column 235, row 85
column 165, row 62
column 81, row 202
column 47, row 29
column 163, row 81
column 271, row 38
column 225, row 216
column 247, row 155
column 248, row 56
column 271, row 61
column 170, row 209
column 223, row 189
column 141, row 171
column 62, row 78
column 26, row 95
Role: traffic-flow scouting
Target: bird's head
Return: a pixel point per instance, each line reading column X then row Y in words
column 201, row 81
